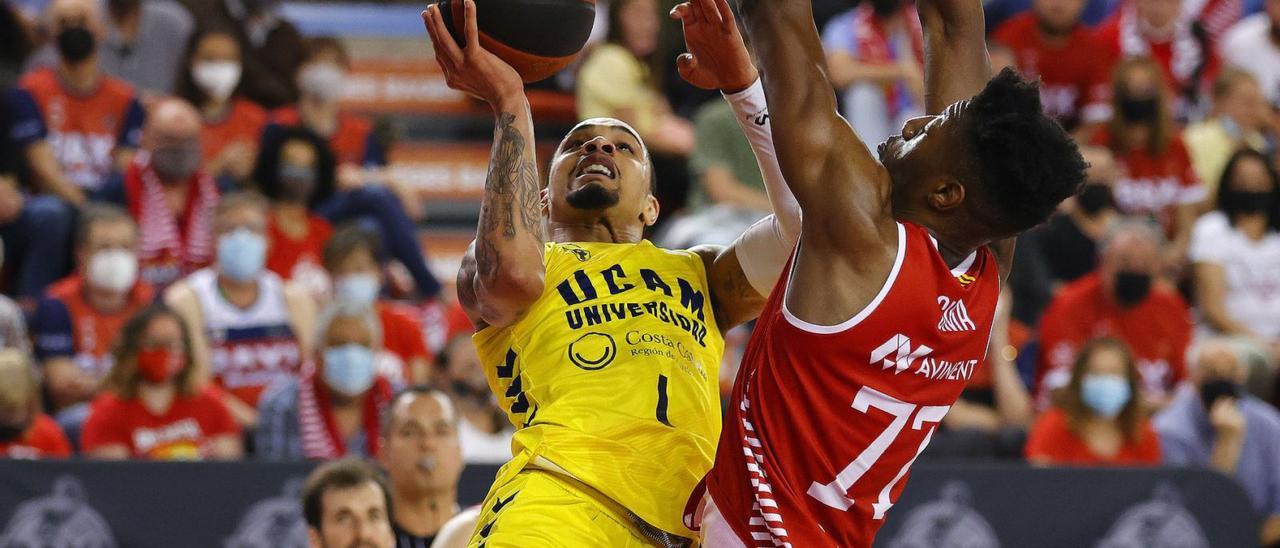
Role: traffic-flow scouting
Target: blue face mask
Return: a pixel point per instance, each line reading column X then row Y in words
column 357, row 292
column 1105, row 395
column 348, row 369
column 241, row 254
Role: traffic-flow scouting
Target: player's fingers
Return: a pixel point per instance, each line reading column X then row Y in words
column 447, row 43
column 472, row 33
column 709, row 13
column 685, row 64
column 726, row 14
column 681, row 11
column 441, row 41
column 698, row 9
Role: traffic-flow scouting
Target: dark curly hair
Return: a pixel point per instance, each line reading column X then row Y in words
column 266, row 172
column 1026, row 162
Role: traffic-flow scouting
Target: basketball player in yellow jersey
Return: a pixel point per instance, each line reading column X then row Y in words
column 603, row 349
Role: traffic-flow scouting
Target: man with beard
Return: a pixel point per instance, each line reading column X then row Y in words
column 423, row 462
column 602, row 348
column 346, row 504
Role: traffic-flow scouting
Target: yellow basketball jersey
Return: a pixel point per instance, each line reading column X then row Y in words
column 612, row 374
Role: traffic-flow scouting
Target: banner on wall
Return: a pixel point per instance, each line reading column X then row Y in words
column 251, row 505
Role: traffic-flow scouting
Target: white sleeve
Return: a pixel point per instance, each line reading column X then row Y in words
column 763, row 248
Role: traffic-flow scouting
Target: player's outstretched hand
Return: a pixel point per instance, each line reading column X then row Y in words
column 717, row 58
column 471, row 68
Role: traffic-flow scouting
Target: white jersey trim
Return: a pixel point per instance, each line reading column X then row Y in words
column 861, row 315
column 964, row 266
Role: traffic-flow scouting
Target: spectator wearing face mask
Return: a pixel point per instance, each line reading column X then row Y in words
column 1241, row 119
column 1050, row 43
column 1126, row 299
column 76, row 323
column 1179, row 45
column 484, row 429
column 1213, row 423
column 153, row 407
column 875, row 54
column 294, row 171
column 211, row 80
column 353, row 259
column 423, row 462
column 363, row 189
column 1066, row 247
column 169, row 196
column 25, row 432
column 271, row 47
column 1156, row 178
column 1098, row 419
column 250, row 328
column 90, row 120
column 336, row 407
column 1235, row 251
column 1253, row 45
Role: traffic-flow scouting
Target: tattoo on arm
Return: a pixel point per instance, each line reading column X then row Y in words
column 511, row 203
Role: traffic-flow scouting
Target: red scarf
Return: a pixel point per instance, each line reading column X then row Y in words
column 161, row 241
column 874, row 46
column 320, row 436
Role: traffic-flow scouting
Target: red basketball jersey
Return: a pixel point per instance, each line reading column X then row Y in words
column 826, row 421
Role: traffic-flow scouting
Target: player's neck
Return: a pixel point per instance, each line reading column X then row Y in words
column 424, row 515
column 955, row 249
column 81, row 77
column 595, row 230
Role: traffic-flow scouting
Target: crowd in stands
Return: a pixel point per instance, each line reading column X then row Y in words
column 198, row 234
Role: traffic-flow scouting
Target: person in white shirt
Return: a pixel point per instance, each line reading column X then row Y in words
column 1235, row 250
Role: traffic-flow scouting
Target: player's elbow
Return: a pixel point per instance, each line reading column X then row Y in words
column 507, row 293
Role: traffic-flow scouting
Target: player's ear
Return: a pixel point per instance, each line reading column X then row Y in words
column 946, row 193
column 649, row 215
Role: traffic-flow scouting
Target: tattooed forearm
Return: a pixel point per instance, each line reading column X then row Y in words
column 510, row 209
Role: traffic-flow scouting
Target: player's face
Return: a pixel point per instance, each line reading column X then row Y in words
column 422, row 455
column 355, row 517
column 601, row 167
column 923, row 151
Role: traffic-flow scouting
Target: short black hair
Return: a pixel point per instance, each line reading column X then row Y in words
column 345, row 241
column 1026, row 162
column 1229, row 171
column 340, row 474
column 266, row 171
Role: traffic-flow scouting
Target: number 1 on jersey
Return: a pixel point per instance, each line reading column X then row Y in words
column 833, row 493
column 661, row 412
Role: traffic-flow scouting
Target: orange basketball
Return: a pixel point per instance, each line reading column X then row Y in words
column 536, row 37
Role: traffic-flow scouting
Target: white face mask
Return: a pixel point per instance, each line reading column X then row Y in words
column 216, row 78
column 357, row 292
column 113, row 270
column 322, row 81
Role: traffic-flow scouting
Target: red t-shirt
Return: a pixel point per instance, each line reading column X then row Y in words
column 243, row 122
column 1177, row 57
column 67, row 325
column 84, row 130
column 181, row 433
column 287, row 255
column 1154, row 184
column 402, row 334
column 349, row 141
column 43, row 439
column 1157, row 330
column 1074, row 81
column 1051, row 437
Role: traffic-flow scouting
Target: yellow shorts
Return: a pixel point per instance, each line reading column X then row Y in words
column 537, row 508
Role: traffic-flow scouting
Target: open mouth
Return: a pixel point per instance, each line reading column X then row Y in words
column 427, row 464
column 597, row 164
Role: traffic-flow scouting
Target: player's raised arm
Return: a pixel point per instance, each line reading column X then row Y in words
column 842, row 190
column 503, row 271
column 956, row 64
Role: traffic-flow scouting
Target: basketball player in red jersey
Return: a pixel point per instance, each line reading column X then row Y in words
column 879, row 321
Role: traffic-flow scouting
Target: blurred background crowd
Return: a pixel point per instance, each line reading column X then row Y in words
column 230, row 228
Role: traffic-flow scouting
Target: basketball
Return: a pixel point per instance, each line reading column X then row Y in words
column 536, row 37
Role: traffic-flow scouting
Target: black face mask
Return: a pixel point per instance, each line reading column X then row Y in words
column 10, row 432
column 1094, row 198
column 296, row 183
column 1211, row 391
column 1240, row 202
column 1132, row 288
column 76, row 44
column 1138, row 109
